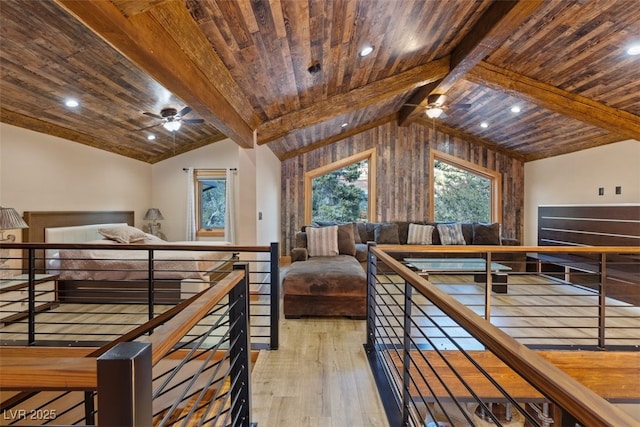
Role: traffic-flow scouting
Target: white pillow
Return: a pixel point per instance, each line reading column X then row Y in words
column 123, row 234
column 322, row 241
column 420, row 234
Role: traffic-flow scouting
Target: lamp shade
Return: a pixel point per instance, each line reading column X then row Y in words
column 10, row 219
column 434, row 112
column 153, row 214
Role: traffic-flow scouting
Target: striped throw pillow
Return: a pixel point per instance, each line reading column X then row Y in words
column 451, row 234
column 322, row 241
column 420, row 234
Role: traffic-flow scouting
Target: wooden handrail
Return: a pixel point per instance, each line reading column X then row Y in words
column 505, row 248
column 551, row 381
column 167, row 335
column 49, row 373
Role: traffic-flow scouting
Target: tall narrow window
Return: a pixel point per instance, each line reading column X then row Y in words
column 342, row 191
column 463, row 191
column 211, row 199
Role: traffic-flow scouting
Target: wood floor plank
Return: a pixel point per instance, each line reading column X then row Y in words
column 319, row 376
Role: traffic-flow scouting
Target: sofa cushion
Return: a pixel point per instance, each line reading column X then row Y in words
column 451, row 234
column 346, row 239
column 361, row 230
column 420, row 234
column 322, row 241
column 362, row 250
column 386, row 234
column 486, row 234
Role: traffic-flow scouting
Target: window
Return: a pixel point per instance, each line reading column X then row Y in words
column 343, row 191
column 463, row 191
column 211, row 201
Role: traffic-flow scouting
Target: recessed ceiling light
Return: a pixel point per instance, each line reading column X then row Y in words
column 484, row 125
column 634, row 49
column 515, row 109
column 366, row 50
column 344, row 125
column 71, row 103
column 151, row 137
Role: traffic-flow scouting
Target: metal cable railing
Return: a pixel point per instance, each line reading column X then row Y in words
column 437, row 358
column 42, row 306
column 193, row 369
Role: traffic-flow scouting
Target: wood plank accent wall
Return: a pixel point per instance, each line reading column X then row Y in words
column 403, row 175
column 591, row 225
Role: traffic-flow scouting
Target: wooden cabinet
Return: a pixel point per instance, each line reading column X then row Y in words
column 14, row 295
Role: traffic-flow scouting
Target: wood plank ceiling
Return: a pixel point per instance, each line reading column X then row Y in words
column 243, row 67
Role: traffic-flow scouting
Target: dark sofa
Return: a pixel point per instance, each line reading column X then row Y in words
column 336, row 285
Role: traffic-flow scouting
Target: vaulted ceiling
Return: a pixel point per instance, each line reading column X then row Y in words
column 288, row 73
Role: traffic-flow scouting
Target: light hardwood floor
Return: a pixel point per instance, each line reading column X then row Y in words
column 319, row 376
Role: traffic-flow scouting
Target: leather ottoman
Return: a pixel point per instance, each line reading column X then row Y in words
column 325, row 286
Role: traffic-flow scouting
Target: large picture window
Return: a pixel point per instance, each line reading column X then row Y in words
column 463, row 191
column 342, row 191
column 211, row 201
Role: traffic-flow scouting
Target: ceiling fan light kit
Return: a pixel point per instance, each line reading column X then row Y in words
column 172, row 125
column 172, row 119
column 434, row 112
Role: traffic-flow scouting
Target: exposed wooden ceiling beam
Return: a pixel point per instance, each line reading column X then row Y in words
column 353, row 100
column 552, row 98
column 185, row 64
column 338, row 137
column 441, row 127
column 490, row 31
column 134, row 7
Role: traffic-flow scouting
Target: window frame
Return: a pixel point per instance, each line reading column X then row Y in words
column 198, row 176
column 369, row 155
column 494, row 177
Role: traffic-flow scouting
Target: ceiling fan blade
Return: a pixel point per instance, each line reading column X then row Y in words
column 416, row 105
column 459, row 106
column 184, row 111
column 149, row 127
column 155, row 116
column 192, row 121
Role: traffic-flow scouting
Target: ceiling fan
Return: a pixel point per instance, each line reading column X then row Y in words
column 435, row 107
column 172, row 119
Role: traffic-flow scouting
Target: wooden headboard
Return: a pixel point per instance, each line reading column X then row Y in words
column 38, row 221
column 589, row 225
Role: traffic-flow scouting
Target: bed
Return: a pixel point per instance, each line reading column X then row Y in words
column 105, row 272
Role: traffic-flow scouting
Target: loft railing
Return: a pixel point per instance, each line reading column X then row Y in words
column 447, row 346
column 181, row 374
column 37, row 308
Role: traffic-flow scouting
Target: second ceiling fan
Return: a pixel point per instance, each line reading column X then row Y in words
column 436, row 107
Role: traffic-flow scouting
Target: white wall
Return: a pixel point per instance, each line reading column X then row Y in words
column 575, row 179
column 169, row 192
column 268, row 196
column 42, row 172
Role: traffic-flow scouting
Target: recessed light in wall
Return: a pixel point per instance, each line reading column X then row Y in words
column 366, row 50
column 151, row 137
column 515, row 109
column 634, row 49
column 71, row 103
column 484, row 125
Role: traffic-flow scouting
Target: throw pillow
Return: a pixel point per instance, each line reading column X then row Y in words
column 322, row 241
column 386, row 234
column 346, row 239
column 356, row 233
column 123, row 234
column 451, row 234
column 486, row 234
column 420, row 234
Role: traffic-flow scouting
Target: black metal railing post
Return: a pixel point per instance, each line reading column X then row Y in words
column 275, row 296
column 31, row 302
column 240, row 349
column 150, row 290
column 602, row 301
column 124, row 386
column 406, row 356
column 371, row 297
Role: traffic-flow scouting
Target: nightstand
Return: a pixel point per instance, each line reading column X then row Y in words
column 14, row 295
